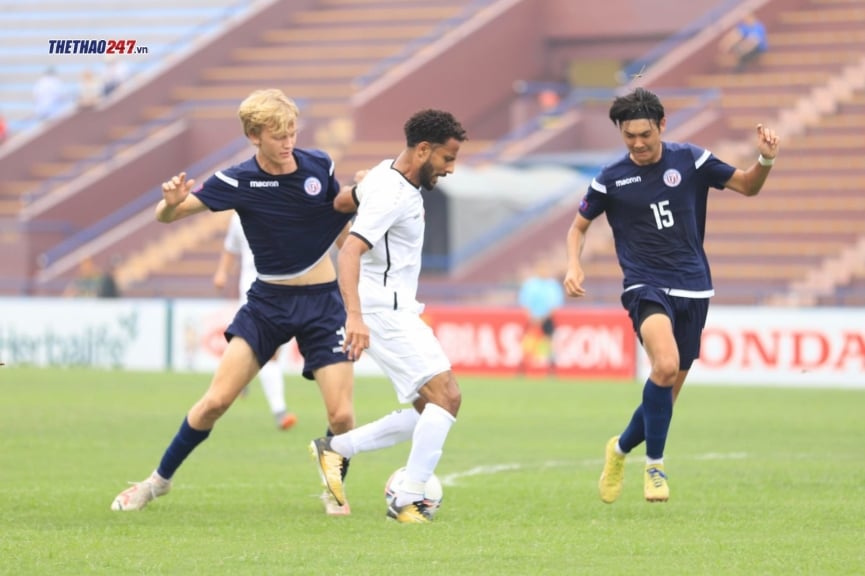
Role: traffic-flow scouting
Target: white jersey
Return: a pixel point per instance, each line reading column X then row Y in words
column 390, row 219
column 236, row 243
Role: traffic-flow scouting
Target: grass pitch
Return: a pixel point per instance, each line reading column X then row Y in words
column 763, row 481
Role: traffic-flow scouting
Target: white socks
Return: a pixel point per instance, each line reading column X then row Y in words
column 394, row 428
column 274, row 386
column 428, row 440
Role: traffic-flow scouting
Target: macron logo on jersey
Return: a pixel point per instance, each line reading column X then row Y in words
column 626, row 181
column 263, row 184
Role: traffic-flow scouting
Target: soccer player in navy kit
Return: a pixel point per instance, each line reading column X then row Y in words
column 284, row 197
column 655, row 201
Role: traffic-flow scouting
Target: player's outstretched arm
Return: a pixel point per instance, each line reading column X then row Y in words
column 749, row 182
column 576, row 238
column 177, row 202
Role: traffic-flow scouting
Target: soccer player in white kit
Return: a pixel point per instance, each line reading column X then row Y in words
column 378, row 269
column 236, row 249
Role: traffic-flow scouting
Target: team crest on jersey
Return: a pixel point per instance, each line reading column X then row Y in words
column 672, row 178
column 312, row 186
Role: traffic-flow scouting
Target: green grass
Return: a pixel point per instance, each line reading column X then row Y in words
column 764, row 481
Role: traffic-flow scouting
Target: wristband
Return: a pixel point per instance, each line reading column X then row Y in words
column 763, row 161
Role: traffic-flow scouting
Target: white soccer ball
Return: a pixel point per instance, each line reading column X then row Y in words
column 432, row 495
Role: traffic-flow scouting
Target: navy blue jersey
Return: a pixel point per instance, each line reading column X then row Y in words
column 658, row 215
column 288, row 219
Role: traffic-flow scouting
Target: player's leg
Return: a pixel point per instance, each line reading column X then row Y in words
column 336, row 385
column 273, row 386
column 390, row 353
column 320, row 337
column 640, row 304
column 387, row 431
column 660, row 344
column 236, row 369
column 419, row 368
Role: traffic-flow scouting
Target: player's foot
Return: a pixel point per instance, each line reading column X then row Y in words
column 332, row 507
column 655, row 486
column 286, row 421
column 139, row 494
column 414, row 513
column 613, row 476
column 329, row 467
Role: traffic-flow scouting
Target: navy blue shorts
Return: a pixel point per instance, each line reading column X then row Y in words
column 688, row 316
column 274, row 314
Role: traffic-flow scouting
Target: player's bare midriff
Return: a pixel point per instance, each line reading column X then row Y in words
column 321, row 273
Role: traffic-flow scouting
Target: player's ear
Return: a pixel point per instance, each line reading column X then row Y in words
column 662, row 125
column 423, row 151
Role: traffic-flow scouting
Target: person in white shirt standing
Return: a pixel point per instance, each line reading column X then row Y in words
column 236, row 248
column 378, row 269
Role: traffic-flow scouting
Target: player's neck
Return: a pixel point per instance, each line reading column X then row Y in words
column 403, row 165
column 276, row 167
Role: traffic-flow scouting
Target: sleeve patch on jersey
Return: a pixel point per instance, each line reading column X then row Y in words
column 227, row 179
column 598, row 186
column 702, row 159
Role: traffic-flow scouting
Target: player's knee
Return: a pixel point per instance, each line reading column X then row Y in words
column 665, row 370
column 212, row 407
column 340, row 419
column 445, row 392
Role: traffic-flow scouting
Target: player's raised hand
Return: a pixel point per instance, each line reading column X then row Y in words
column 767, row 142
column 176, row 189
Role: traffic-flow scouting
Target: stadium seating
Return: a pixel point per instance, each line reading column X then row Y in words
column 810, row 211
column 316, row 60
column 27, row 27
column 760, row 247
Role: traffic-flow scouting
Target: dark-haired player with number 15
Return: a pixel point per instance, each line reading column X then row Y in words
column 655, row 200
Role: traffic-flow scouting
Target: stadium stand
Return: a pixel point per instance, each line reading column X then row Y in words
column 341, row 32
column 810, row 214
column 358, row 65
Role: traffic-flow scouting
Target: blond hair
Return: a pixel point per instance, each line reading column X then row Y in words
column 269, row 108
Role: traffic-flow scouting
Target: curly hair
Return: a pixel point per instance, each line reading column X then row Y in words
column 433, row 126
column 640, row 103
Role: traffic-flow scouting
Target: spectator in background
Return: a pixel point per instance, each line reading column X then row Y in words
column 48, row 94
column 90, row 90
column 541, row 294
column 86, row 283
column 745, row 42
column 114, row 74
column 107, row 287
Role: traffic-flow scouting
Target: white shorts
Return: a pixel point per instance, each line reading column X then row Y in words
column 406, row 350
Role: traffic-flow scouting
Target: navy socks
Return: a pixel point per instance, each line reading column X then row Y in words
column 184, row 442
column 657, row 413
column 635, row 433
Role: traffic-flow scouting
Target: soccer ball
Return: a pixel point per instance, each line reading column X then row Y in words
column 432, row 495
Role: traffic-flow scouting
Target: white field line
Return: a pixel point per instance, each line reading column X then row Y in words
column 454, row 478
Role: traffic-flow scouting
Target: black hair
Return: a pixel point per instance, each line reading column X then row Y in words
column 640, row 103
column 433, row 126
